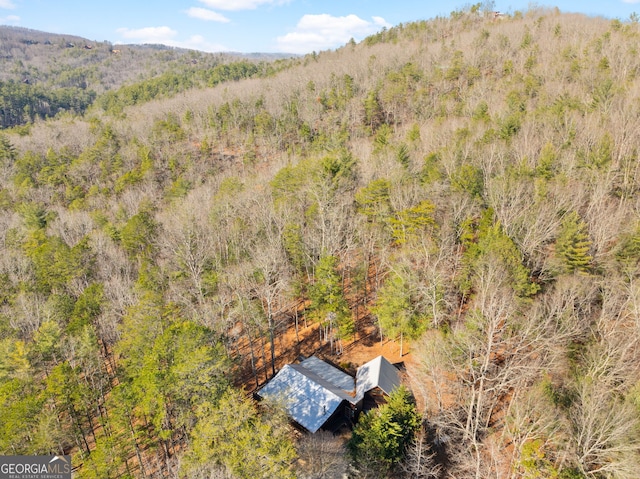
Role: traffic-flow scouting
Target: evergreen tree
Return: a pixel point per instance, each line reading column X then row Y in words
column 20, row 406
column 411, row 223
column 293, row 242
column 381, row 437
column 137, row 235
column 232, row 433
column 628, row 251
column 486, row 241
column 7, row 152
column 395, row 310
column 327, row 297
column 373, row 113
column 573, row 244
column 373, row 200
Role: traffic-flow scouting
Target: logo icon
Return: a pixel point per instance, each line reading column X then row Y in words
column 35, row 467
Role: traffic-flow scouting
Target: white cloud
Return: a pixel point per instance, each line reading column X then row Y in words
column 8, row 4
column 322, row 32
column 630, row 1
column 10, row 20
column 205, row 14
column 167, row 36
column 198, row 42
column 232, row 5
column 148, row 34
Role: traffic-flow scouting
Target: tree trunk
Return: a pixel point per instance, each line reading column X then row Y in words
column 264, row 359
column 253, row 358
column 136, row 447
column 273, row 346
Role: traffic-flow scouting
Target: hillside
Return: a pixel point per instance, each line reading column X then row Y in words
column 44, row 74
column 466, row 187
column 68, row 60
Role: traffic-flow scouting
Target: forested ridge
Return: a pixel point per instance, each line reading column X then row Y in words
column 44, row 74
column 468, row 185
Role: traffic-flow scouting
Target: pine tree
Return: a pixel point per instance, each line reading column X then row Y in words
column 628, row 251
column 395, row 311
column 7, row 151
column 381, row 437
column 573, row 244
column 247, row 444
column 373, row 200
column 327, row 297
column 486, row 241
column 409, row 224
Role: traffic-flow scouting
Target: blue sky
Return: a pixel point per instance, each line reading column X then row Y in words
column 291, row 26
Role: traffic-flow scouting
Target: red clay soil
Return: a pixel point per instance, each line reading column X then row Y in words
column 290, row 348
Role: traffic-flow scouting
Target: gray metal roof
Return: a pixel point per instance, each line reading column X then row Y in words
column 329, row 373
column 312, row 390
column 377, row 373
column 308, row 398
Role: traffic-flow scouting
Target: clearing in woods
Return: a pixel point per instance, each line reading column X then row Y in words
column 290, row 346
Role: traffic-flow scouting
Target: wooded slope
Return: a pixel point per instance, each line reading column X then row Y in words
column 487, row 169
column 43, row 74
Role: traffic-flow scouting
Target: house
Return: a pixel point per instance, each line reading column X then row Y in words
column 374, row 380
column 317, row 395
column 312, row 392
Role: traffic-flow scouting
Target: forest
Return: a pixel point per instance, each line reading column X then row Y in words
column 463, row 189
column 43, row 74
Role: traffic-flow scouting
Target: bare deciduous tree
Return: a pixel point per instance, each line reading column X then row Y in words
column 322, row 456
column 419, row 461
